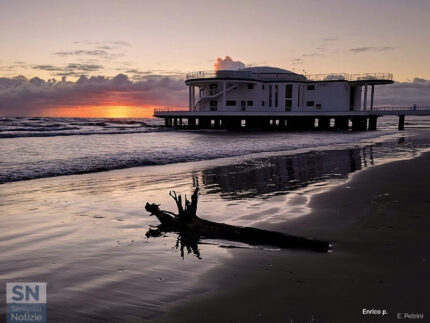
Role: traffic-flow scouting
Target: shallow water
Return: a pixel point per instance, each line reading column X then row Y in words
column 38, row 152
column 85, row 234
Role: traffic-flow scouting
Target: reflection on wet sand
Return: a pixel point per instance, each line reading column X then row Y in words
column 279, row 175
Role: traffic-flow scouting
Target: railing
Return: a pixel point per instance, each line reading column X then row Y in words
column 408, row 108
column 310, row 77
column 350, row 77
column 170, row 109
column 256, row 109
column 200, row 75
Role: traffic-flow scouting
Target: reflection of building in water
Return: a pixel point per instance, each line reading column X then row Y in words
column 277, row 175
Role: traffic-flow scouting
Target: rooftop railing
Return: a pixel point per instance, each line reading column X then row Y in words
column 350, row 77
column 310, row 77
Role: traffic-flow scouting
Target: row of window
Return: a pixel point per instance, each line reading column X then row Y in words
column 288, row 87
column 250, row 103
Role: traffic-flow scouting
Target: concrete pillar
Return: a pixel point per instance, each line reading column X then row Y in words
column 224, row 94
column 359, row 123
column 365, row 98
column 372, row 122
column 193, row 98
column 341, row 123
column 324, row 123
column 191, row 123
column 401, row 122
column 232, row 122
column 252, row 123
column 204, row 123
column 372, row 93
column 190, row 102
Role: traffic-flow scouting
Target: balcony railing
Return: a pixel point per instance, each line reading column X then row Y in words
column 310, row 77
column 170, row 109
column 259, row 109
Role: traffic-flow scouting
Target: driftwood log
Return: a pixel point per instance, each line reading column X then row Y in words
column 191, row 229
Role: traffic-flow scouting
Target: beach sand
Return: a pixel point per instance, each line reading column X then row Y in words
column 85, row 236
column 378, row 224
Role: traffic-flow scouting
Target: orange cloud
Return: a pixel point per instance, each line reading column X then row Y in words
column 96, row 96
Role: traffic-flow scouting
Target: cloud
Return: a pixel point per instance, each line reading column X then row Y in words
column 94, row 52
column 112, row 42
column 20, row 96
column 69, row 69
column 330, row 39
column 357, row 50
column 404, row 93
column 99, row 53
column 228, row 64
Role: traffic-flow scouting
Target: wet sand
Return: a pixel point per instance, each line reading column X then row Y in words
column 378, row 223
column 85, row 236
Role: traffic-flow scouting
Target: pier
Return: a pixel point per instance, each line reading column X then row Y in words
column 265, row 120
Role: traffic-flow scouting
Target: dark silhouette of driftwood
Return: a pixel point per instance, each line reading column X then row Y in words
column 191, row 229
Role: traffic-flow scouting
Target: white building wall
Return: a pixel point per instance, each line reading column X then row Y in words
column 333, row 96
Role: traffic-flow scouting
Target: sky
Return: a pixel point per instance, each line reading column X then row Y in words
column 121, row 58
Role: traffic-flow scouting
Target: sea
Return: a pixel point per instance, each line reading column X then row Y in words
column 45, row 147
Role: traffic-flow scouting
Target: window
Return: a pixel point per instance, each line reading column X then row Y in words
column 231, row 103
column 318, row 105
column 276, row 95
column 262, row 103
column 310, row 87
column 288, row 104
column 250, row 86
column 270, row 95
column 310, row 103
column 250, row 103
column 213, row 105
column 288, row 91
column 262, row 86
column 213, row 89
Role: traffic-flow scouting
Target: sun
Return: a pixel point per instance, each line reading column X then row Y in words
column 118, row 111
column 102, row 111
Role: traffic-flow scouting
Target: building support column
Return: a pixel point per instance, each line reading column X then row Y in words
column 204, row 123
column 175, row 122
column 324, row 123
column 372, row 122
column 372, row 92
column 224, row 94
column 359, row 123
column 365, row 98
column 401, row 122
column 341, row 123
column 193, row 98
column 190, row 101
column 191, row 123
